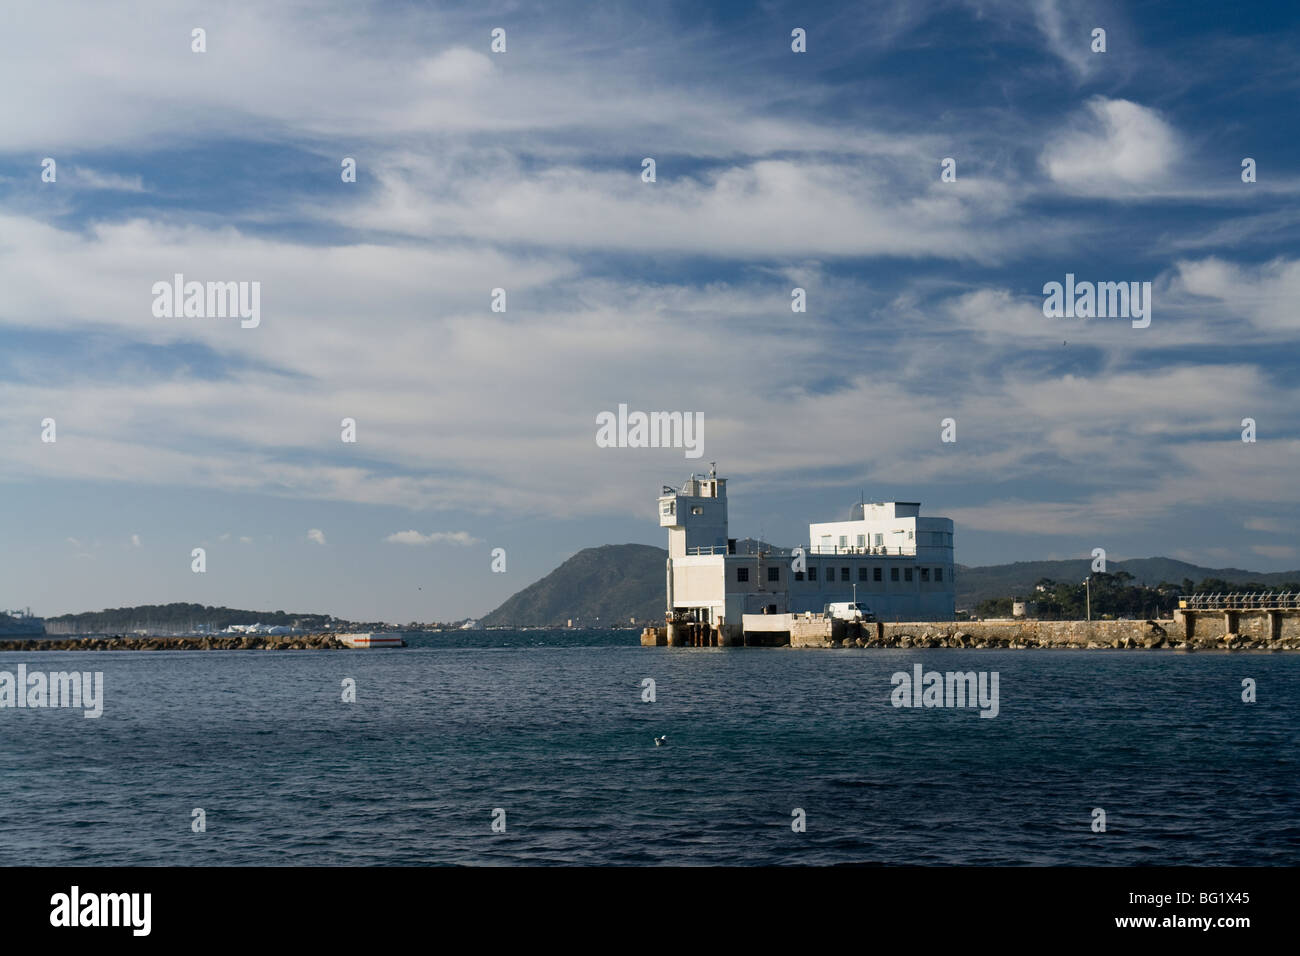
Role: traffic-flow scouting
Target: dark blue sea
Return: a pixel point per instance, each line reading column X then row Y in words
column 551, row 728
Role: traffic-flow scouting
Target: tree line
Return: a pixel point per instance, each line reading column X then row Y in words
column 1114, row 595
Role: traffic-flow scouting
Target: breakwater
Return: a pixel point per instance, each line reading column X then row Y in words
column 212, row 642
column 1185, row 631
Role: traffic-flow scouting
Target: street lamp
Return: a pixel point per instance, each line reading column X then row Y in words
column 1087, row 583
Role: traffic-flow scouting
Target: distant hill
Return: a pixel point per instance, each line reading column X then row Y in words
column 616, row 582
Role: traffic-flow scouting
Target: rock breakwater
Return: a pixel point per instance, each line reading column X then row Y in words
column 214, row 642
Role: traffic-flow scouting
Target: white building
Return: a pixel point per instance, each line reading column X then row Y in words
column 885, row 556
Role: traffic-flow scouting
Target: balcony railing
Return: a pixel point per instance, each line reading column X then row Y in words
column 881, row 551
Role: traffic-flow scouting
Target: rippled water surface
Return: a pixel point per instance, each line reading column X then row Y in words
column 556, row 733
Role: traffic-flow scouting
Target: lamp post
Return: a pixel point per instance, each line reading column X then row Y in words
column 1087, row 583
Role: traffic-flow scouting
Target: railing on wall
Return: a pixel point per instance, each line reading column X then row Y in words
column 1241, row 601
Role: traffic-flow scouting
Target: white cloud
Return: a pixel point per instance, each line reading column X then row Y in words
column 801, row 207
column 1112, row 146
column 1267, row 295
column 434, row 537
column 316, row 535
column 94, row 179
column 135, row 541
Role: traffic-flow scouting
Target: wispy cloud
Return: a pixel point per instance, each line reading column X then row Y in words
column 95, row 179
column 463, row 538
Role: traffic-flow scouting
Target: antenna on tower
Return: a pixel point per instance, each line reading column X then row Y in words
column 713, row 469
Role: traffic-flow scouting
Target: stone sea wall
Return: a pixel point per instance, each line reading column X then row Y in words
column 1018, row 634
column 1186, row 631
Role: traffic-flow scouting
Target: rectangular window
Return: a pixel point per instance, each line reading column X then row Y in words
column 893, row 574
column 844, row 541
column 875, row 574
column 938, row 574
column 812, row 573
column 844, row 574
column 774, row 574
column 862, row 574
column 798, row 575
column 742, row 574
column 907, row 574
column 862, row 541
column 925, row 574
column 880, row 540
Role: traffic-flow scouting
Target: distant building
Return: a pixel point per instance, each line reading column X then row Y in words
column 886, row 555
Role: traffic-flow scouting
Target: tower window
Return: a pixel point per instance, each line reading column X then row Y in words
column 844, row 574
column 862, row 573
column 774, row 573
column 907, row 574
column 875, row 574
column 812, row 572
column 925, row 574
column 742, row 574
column 938, row 574
column 893, row 574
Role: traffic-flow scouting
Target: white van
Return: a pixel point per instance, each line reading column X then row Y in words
column 848, row 611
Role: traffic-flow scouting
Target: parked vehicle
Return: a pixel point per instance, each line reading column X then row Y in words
column 848, row 611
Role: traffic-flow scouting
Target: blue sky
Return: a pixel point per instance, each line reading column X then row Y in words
column 521, row 170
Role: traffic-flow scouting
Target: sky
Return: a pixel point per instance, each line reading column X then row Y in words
column 522, row 170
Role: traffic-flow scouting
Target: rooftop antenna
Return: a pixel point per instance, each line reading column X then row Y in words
column 713, row 469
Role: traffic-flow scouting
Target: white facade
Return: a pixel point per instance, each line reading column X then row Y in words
column 886, row 556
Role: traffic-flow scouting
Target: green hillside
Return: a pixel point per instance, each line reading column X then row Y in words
column 608, row 585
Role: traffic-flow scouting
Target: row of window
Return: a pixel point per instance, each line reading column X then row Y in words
column 877, row 574
column 938, row 539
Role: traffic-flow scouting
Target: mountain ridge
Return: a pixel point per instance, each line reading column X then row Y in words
column 614, row 583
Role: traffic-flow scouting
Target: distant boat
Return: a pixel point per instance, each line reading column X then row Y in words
column 372, row 640
column 470, row 625
column 21, row 624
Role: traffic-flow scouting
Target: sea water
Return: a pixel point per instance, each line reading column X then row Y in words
column 553, row 728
